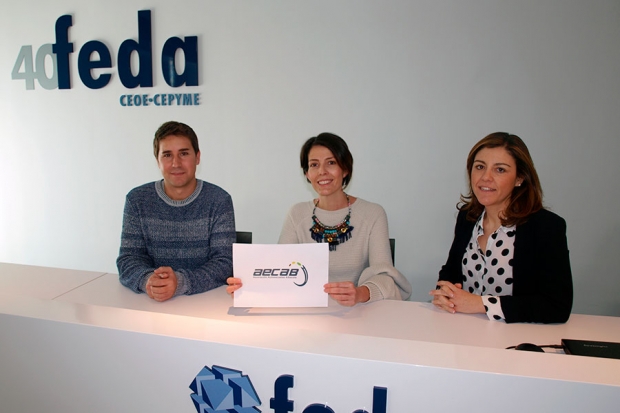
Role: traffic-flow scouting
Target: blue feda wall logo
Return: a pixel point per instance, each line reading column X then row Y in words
column 283, row 273
column 94, row 62
column 224, row 390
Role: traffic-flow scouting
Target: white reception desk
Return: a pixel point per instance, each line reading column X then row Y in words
column 79, row 341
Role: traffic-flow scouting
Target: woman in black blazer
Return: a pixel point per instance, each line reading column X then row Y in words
column 509, row 258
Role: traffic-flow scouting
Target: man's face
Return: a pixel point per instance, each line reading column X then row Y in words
column 177, row 162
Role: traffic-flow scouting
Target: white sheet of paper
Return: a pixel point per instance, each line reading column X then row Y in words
column 282, row 275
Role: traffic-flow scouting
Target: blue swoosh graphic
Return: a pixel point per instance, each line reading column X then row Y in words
column 303, row 268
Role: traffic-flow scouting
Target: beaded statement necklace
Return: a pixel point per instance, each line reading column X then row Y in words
column 332, row 235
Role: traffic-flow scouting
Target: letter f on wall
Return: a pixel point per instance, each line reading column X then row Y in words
column 62, row 48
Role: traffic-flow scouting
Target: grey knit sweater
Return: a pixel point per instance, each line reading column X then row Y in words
column 193, row 236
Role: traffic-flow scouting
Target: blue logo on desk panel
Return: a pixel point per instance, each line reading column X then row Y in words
column 224, row 390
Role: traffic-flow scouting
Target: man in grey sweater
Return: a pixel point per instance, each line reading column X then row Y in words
column 177, row 232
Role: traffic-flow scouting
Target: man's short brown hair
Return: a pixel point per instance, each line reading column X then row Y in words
column 174, row 128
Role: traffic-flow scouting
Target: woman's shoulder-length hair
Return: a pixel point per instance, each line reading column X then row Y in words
column 524, row 199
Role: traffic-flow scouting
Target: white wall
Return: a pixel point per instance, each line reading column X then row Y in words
column 411, row 86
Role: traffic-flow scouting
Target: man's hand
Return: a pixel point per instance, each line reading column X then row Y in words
column 162, row 284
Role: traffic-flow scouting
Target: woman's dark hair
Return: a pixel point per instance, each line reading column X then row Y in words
column 525, row 199
column 177, row 129
column 338, row 148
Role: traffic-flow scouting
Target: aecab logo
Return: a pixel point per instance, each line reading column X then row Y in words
column 283, row 272
column 94, row 62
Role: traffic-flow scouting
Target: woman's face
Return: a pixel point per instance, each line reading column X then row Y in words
column 493, row 177
column 324, row 173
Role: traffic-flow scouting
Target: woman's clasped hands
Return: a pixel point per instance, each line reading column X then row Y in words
column 453, row 299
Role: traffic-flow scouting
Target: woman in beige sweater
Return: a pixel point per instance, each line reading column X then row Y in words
column 360, row 263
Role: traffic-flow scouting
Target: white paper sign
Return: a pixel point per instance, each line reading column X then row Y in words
column 282, row 275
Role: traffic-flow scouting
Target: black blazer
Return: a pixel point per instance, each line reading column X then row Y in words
column 542, row 290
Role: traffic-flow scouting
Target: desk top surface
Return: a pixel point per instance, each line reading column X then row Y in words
column 389, row 331
column 42, row 282
column 404, row 320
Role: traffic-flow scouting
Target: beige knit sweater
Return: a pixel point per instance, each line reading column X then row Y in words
column 365, row 258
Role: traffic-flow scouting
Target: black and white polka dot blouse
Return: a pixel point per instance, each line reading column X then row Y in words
column 489, row 274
